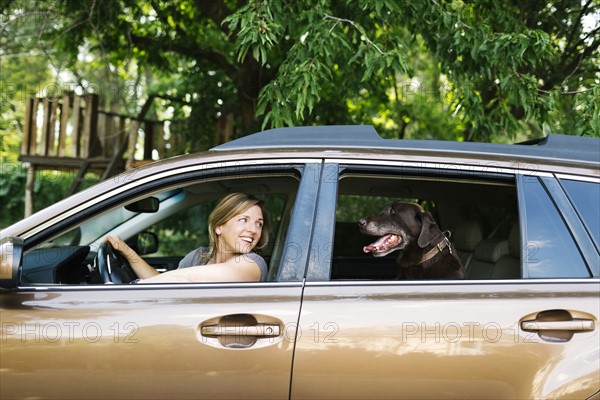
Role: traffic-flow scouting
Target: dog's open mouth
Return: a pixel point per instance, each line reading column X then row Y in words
column 383, row 245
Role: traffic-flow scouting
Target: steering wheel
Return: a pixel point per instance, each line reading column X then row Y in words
column 113, row 267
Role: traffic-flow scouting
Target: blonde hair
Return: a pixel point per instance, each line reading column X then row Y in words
column 228, row 207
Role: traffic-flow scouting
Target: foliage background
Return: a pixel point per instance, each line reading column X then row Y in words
column 483, row 70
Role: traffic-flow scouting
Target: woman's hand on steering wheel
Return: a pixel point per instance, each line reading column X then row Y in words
column 112, row 265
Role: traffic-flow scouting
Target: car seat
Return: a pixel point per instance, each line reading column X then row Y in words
column 466, row 237
column 486, row 255
column 509, row 265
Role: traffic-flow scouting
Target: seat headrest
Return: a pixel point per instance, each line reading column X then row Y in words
column 490, row 250
column 467, row 235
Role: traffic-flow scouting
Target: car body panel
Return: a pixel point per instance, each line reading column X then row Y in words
column 144, row 342
column 445, row 341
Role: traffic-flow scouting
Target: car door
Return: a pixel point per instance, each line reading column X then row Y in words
column 178, row 341
column 531, row 336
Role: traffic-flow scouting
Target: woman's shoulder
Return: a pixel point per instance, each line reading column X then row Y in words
column 196, row 257
column 193, row 258
column 260, row 261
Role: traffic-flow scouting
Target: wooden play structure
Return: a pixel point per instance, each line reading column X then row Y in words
column 71, row 133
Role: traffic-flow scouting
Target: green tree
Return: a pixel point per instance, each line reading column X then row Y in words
column 492, row 70
column 24, row 71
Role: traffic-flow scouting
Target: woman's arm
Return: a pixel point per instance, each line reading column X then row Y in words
column 141, row 268
column 236, row 269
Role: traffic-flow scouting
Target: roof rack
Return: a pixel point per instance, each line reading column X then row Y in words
column 566, row 147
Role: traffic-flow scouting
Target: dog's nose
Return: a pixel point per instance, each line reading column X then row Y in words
column 362, row 222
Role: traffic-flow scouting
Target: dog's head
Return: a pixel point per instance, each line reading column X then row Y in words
column 399, row 226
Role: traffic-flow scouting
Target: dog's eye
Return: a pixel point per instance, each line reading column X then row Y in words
column 391, row 210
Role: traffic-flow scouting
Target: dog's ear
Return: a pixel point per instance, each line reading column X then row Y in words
column 429, row 231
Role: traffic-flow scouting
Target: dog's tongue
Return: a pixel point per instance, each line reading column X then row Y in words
column 382, row 244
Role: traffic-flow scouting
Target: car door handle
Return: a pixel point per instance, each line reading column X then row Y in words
column 575, row 325
column 240, row 331
column 558, row 325
column 258, row 330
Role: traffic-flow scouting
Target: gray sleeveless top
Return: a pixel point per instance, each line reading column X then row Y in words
column 194, row 258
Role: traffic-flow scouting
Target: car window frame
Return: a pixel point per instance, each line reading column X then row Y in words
column 321, row 264
column 320, row 260
column 291, row 267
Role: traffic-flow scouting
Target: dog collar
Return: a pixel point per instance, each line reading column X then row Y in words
column 442, row 244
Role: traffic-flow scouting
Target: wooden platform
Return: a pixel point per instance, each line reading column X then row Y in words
column 71, row 133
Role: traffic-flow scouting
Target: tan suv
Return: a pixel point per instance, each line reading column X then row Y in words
column 330, row 322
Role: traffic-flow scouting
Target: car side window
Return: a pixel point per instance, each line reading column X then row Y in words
column 551, row 251
column 176, row 225
column 585, row 196
column 477, row 214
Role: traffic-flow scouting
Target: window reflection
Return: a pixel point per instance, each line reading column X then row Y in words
column 550, row 251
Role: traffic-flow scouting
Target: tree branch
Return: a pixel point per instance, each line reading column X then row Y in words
column 576, row 62
column 577, row 23
column 566, row 91
column 571, row 48
column 358, row 28
column 586, row 37
column 197, row 53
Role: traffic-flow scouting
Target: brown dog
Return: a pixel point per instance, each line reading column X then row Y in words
column 425, row 252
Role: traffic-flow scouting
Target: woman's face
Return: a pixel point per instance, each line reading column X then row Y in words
column 241, row 233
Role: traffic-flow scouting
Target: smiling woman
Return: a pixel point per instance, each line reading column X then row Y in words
column 237, row 225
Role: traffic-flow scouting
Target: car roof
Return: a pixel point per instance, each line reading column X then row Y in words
column 554, row 153
column 360, row 137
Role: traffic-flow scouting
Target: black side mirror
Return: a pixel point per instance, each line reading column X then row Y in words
column 147, row 205
column 144, row 243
